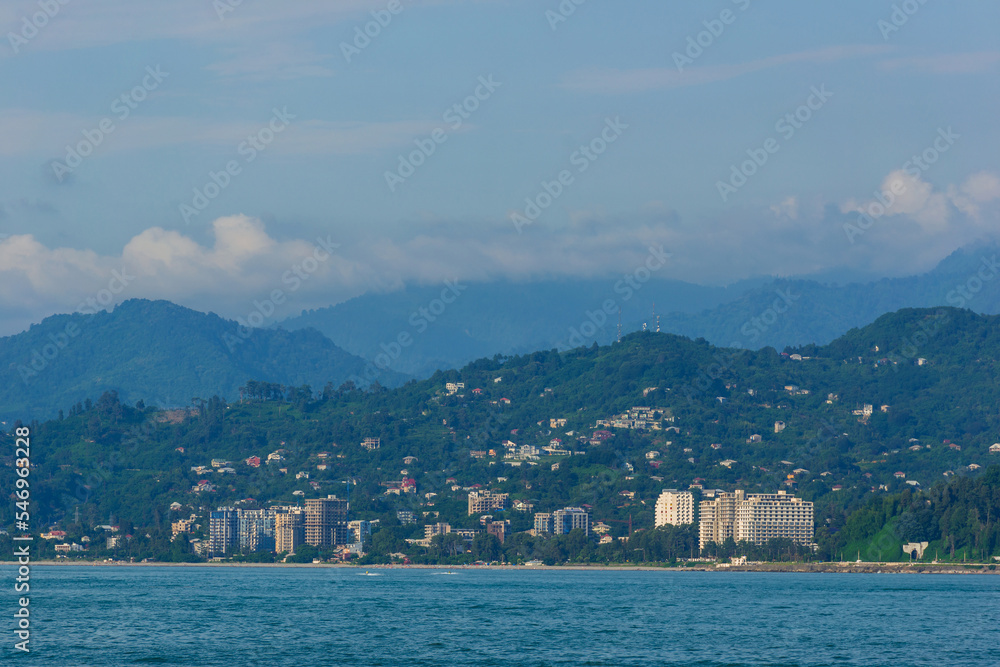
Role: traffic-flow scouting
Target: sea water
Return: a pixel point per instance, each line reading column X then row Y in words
column 234, row 616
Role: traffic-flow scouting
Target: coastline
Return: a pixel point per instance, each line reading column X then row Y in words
column 798, row 568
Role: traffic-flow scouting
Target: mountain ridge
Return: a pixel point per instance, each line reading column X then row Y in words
column 161, row 353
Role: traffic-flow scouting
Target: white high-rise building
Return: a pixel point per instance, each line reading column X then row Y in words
column 757, row 518
column 674, row 508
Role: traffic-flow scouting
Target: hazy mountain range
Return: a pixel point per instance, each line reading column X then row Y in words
column 504, row 317
column 167, row 354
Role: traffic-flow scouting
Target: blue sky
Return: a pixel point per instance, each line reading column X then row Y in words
column 344, row 125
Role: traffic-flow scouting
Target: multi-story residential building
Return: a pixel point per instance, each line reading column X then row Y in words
column 562, row 521
column 481, row 502
column 289, row 529
column 766, row 516
column 182, row 526
column 674, row 508
column 567, row 519
column 717, row 516
column 499, row 529
column 326, row 521
column 371, row 444
column 223, row 531
column 256, row 529
column 406, row 516
column 359, row 530
column 755, row 517
column 432, row 529
column 467, row 534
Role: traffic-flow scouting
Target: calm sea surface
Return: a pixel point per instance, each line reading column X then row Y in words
column 277, row 617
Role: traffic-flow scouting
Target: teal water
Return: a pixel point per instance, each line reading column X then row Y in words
column 314, row 616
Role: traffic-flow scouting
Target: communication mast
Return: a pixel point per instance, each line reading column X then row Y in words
column 619, row 324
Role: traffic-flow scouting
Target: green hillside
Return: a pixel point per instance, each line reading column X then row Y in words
column 160, row 353
column 929, row 377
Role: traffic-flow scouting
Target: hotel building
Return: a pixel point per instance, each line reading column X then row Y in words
column 755, row 517
column 674, row 508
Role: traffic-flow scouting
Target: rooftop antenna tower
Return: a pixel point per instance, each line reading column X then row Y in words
column 657, row 317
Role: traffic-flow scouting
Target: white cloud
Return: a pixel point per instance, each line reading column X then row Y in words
column 787, row 209
column 951, row 63
column 105, row 22
column 244, row 262
column 273, row 61
column 914, row 199
column 46, row 135
column 979, row 189
column 617, row 81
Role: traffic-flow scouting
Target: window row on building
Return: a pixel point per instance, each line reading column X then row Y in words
column 322, row 522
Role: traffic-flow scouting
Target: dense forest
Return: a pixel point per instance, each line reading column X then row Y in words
column 157, row 351
column 912, row 466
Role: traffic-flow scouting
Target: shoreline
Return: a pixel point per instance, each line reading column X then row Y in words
column 792, row 568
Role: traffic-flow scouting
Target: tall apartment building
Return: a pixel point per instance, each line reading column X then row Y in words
column 481, row 502
column 674, row 508
column 223, row 531
column 256, row 529
column 562, row 521
column 757, row 517
column 289, row 529
column 717, row 516
column 326, row 521
column 543, row 523
column 766, row 516
column 567, row 519
column 359, row 530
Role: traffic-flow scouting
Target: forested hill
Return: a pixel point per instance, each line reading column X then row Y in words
column 160, row 353
column 903, row 404
column 514, row 318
